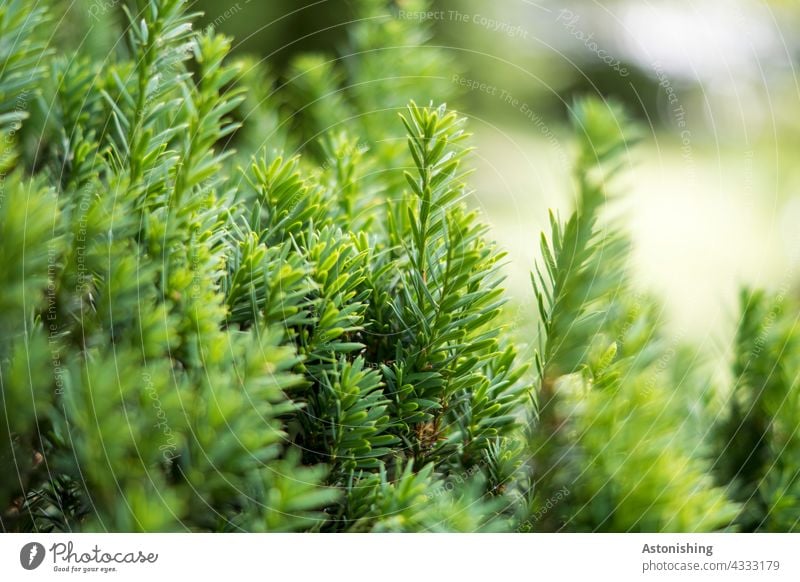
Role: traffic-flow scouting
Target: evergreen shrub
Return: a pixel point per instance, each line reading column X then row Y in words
column 238, row 299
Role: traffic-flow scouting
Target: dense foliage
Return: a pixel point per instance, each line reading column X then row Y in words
column 236, row 299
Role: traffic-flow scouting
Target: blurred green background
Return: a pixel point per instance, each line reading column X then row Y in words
column 710, row 195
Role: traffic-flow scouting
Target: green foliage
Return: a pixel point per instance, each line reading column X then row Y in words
column 21, row 48
column 151, row 409
column 611, row 431
column 241, row 299
column 758, row 442
column 204, row 339
column 413, row 502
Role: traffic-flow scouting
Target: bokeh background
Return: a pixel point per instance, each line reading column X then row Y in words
column 711, row 199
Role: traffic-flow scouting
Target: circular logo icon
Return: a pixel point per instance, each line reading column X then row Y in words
column 31, row 555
